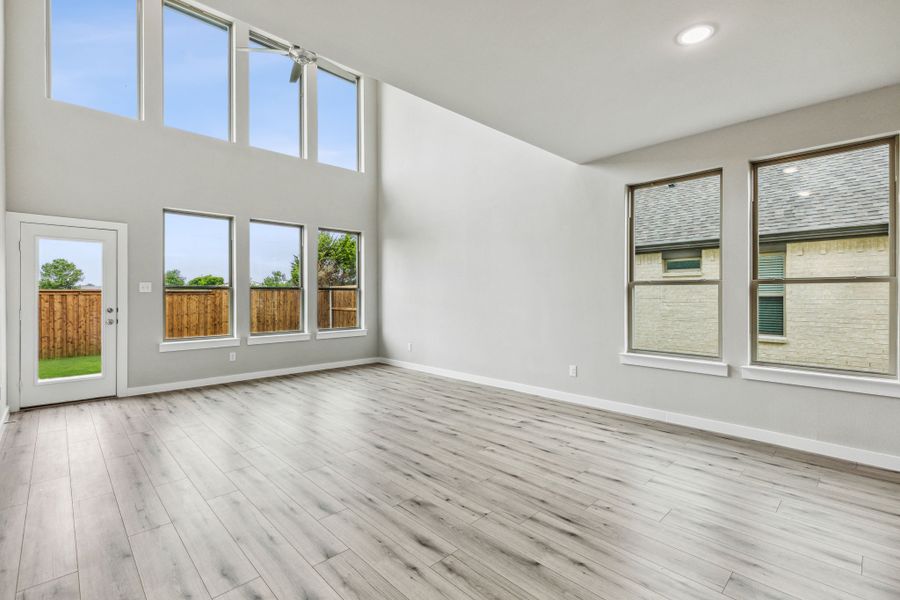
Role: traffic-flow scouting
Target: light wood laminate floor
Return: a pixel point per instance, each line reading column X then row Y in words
column 377, row 482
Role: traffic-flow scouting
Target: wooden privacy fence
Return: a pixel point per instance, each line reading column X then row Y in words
column 197, row 312
column 274, row 309
column 69, row 323
column 338, row 307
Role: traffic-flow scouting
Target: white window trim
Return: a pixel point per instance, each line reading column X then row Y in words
column 675, row 363
column 341, row 333
column 177, row 346
column 861, row 384
column 277, row 338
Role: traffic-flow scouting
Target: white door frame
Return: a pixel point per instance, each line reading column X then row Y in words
column 14, row 221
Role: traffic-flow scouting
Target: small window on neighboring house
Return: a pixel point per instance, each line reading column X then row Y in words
column 771, row 295
column 683, row 262
column 94, row 54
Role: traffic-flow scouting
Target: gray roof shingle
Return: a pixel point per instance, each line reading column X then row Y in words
column 846, row 190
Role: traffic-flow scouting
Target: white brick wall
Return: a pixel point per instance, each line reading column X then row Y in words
column 835, row 325
column 681, row 319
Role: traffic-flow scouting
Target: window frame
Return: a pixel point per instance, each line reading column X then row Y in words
column 218, row 20
column 232, row 308
column 270, row 41
column 360, row 302
column 355, row 78
column 631, row 284
column 304, row 304
column 890, row 279
column 139, row 61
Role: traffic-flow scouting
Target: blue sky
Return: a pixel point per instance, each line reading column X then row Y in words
column 272, row 248
column 94, row 64
column 87, row 256
column 197, row 245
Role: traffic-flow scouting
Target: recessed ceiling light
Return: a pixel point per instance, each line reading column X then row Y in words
column 789, row 170
column 804, row 193
column 695, row 34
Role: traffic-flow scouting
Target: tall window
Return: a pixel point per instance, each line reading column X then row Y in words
column 198, row 286
column 338, row 108
column 338, row 280
column 674, row 287
column 824, row 272
column 276, row 278
column 196, row 71
column 94, row 54
column 275, row 102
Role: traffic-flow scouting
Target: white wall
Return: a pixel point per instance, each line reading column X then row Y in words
column 69, row 161
column 3, row 400
column 501, row 260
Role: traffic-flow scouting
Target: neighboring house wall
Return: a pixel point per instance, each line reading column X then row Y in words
column 681, row 319
column 834, row 325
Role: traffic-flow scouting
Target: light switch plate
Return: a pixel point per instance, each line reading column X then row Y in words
column 145, row 287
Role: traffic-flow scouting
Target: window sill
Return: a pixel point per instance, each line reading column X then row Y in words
column 772, row 339
column 682, row 274
column 277, row 338
column 675, row 363
column 341, row 333
column 172, row 346
column 861, row 384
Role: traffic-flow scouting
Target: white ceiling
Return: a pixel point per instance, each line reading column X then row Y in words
column 590, row 78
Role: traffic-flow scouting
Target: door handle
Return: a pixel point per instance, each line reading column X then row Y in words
column 110, row 321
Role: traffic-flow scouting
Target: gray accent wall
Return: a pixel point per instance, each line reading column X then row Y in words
column 69, row 161
column 501, row 260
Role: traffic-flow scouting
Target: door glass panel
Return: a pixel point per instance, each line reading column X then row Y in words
column 70, row 276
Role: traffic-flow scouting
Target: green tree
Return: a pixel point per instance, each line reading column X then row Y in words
column 174, row 278
column 276, row 279
column 207, row 280
column 337, row 259
column 295, row 271
column 60, row 274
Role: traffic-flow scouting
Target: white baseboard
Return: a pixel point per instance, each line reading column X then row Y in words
column 195, row 383
column 857, row 455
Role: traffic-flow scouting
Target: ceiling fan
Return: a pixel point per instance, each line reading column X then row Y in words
column 300, row 56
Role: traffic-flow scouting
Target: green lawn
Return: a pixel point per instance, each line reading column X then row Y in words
column 52, row 368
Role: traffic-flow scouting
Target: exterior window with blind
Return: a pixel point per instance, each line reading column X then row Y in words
column 339, row 298
column 276, row 278
column 771, row 295
column 197, row 278
column 674, row 288
column 823, row 294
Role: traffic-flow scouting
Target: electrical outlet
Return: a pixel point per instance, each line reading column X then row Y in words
column 409, row 346
column 232, row 356
column 145, row 287
column 573, row 370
